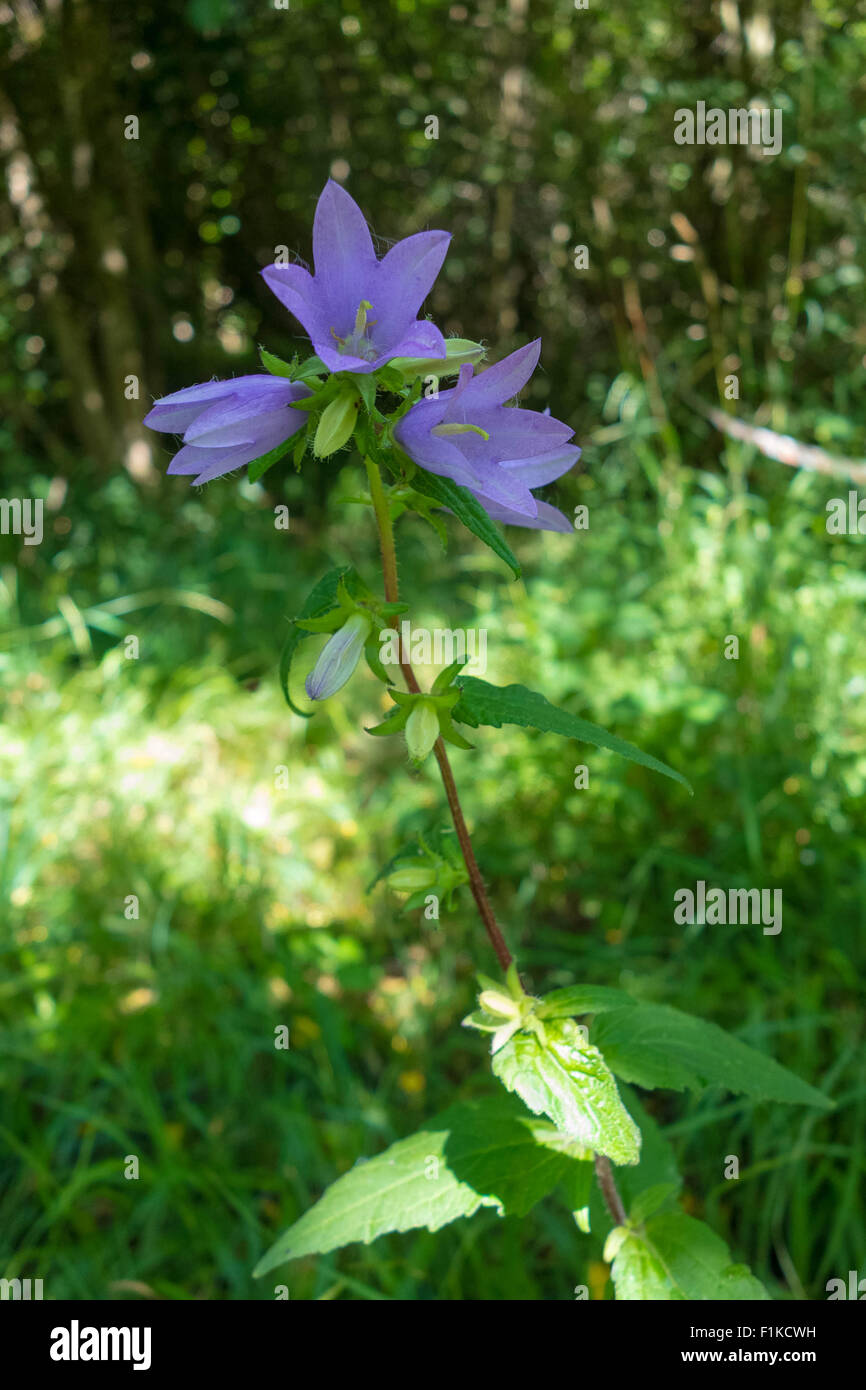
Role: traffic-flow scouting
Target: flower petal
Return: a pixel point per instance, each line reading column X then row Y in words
column 422, row 339
column 245, row 430
column 520, row 433
column 535, row 472
column 297, row 290
column 547, row 519
column 506, row 489
column 403, row 280
column 344, row 257
column 211, row 461
column 435, row 454
column 337, row 361
column 173, row 413
column 501, row 382
column 246, row 400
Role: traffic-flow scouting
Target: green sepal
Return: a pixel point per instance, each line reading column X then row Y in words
column 260, row 466
column 310, row 368
column 276, row 366
column 300, row 450
column 392, row 725
column 445, row 678
column 371, row 656
column 512, row 980
column 391, row 378
column 480, row 1020
column 365, row 384
column 450, row 734
column 329, row 622
column 325, row 392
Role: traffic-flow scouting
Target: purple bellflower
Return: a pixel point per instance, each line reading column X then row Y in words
column 498, row 452
column 226, row 424
column 360, row 312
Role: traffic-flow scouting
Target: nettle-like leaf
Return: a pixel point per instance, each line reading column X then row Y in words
column 556, row 1072
column 582, row 999
column 673, row 1257
column 479, row 1153
column 467, row 509
column 482, row 703
column 654, row 1045
column 322, row 600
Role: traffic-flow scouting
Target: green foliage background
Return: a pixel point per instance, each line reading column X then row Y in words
column 156, row 777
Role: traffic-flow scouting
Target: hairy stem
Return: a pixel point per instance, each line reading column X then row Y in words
column 389, row 574
column 612, row 1199
column 603, row 1169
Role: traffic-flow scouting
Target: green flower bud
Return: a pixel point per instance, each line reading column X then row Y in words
column 422, row 730
column 458, row 351
column 336, row 424
column 413, row 878
column 498, row 1004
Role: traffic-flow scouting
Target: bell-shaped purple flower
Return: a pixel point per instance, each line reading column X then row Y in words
column 498, row 452
column 226, row 424
column 359, row 311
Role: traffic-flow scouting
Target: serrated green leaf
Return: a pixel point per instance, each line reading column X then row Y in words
column 654, row 1045
column 566, row 1078
column 582, row 999
column 467, row 509
column 647, row 1203
column 482, row 703
column 675, row 1257
column 479, row 1153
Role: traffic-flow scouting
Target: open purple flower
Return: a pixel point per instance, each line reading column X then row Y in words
column 359, row 311
column 498, row 452
column 226, row 424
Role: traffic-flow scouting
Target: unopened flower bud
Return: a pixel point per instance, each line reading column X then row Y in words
column 412, row 878
column 336, row 424
column 458, row 351
column 422, row 730
column 495, row 1003
column 338, row 658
